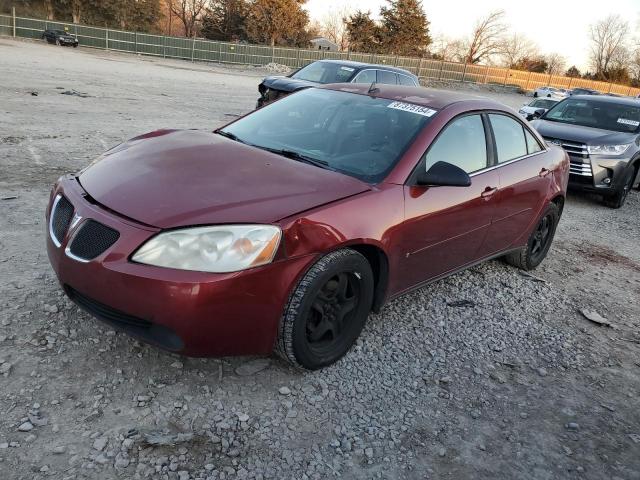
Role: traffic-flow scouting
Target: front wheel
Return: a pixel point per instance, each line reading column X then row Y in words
column 536, row 249
column 327, row 310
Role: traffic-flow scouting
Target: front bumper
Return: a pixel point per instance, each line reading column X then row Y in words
column 600, row 175
column 191, row 313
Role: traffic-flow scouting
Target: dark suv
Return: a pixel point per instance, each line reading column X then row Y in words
column 601, row 134
column 332, row 71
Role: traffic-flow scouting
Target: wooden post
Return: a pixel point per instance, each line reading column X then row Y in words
column 298, row 58
column 273, row 54
column 570, row 82
column 506, row 76
column 486, row 75
column 419, row 67
column 106, row 39
column 610, row 85
column 441, row 68
column 164, row 47
column 13, row 14
column 464, row 71
column 135, row 39
column 193, row 47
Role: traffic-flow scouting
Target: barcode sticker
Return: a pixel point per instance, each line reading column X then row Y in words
column 409, row 107
column 626, row 121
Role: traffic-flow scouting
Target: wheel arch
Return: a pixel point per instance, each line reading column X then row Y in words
column 559, row 200
column 379, row 262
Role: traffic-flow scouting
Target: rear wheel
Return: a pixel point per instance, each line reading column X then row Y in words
column 619, row 198
column 327, row 310
column 536, row 249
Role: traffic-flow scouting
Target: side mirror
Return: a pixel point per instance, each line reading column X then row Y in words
column 538, row 113
column 443, row 174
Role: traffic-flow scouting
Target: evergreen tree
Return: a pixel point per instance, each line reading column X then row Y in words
column 225, row 20
column 405, row 28
column 278, row 22
column 363, row 33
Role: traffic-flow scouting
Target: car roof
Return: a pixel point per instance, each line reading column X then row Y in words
column 609, row 99
column 362, row 66
column 428, row 97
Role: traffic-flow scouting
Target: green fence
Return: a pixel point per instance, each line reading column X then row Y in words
column 244, row 54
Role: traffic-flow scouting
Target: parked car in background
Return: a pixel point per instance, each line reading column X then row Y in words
column 550, row 92
column 601, row 134
column 584, row 91
column 60, row 37
column 332, row 71
column 537, row 107
column 286, row 227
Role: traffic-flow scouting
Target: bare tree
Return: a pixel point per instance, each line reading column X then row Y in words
column 555, row 63
column 487, row 38
column 608, row 44
column 516, row 48
column 634, row 64
column 189, row 13
column 447, row 48
column 333, row 26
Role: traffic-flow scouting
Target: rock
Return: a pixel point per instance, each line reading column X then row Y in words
column 252, row 367
column 442, row 452
column 177, row 364
column 542, row 372
column 183, row 475
column 59, row 449
column 51, row 308
column 368, row 452
column 284, row 391
column 166, row 438
column 100, row 443
column 25, row 427
column 572, row 426
column 634, row 437
column 498, row 377
column 4, row 445
column 595, row 317
column 243, row 417
column 121, row 461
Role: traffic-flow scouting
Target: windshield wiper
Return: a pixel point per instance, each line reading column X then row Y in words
column 230, row 136
column 293, row 155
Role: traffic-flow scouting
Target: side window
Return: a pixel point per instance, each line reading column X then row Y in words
column 462, row 143
column 366, row 76
column 509, row 135
column 532, row 144
column 388, row 78
column 404, row 80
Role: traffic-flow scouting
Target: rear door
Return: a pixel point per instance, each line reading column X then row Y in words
column 524, row 181
column 445, row 226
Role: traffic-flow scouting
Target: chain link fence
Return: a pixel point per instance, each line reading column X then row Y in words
column 202, row 50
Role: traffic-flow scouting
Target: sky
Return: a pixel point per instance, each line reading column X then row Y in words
column 559, row 26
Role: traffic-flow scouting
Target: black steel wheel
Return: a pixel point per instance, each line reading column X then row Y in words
column 327, row 310
column 534, row 252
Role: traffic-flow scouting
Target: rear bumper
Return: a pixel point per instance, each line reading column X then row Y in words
column 191, row 313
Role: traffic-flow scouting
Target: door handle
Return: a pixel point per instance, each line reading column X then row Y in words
column 488, row 192
column 544, row 172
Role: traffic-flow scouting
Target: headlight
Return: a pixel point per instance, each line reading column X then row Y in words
column 607, row 149
column 221, row 249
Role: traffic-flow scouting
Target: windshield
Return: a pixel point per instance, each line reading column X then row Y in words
column 358, row 135
column 543, row 103
column 325, row 72
column 617, row 117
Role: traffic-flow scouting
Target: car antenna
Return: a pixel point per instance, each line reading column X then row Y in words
column 373, row 89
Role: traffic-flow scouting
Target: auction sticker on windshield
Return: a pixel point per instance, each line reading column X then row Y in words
column 409, row 107
column 626, row 121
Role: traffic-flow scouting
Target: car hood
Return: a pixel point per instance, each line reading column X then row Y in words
column 174, row 178
column 576, row 133
column 286, row 84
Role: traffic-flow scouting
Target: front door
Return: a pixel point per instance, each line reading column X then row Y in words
column 445, row 226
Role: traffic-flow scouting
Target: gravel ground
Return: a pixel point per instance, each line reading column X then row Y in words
column 487, row 374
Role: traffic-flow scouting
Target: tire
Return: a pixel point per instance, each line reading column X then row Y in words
column 549, row 95
column 75, row 45
column 320, row 323
column 619, row 198
column 534, row 252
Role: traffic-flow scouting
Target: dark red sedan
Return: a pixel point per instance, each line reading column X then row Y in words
column 285, row 228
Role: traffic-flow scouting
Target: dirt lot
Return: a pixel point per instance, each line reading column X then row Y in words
column 488, row 374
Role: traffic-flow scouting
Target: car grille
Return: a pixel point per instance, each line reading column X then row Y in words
column 61, row 215
column 578, row 156
column 92, row 239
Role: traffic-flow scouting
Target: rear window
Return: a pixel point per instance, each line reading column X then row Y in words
column 405, row 80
